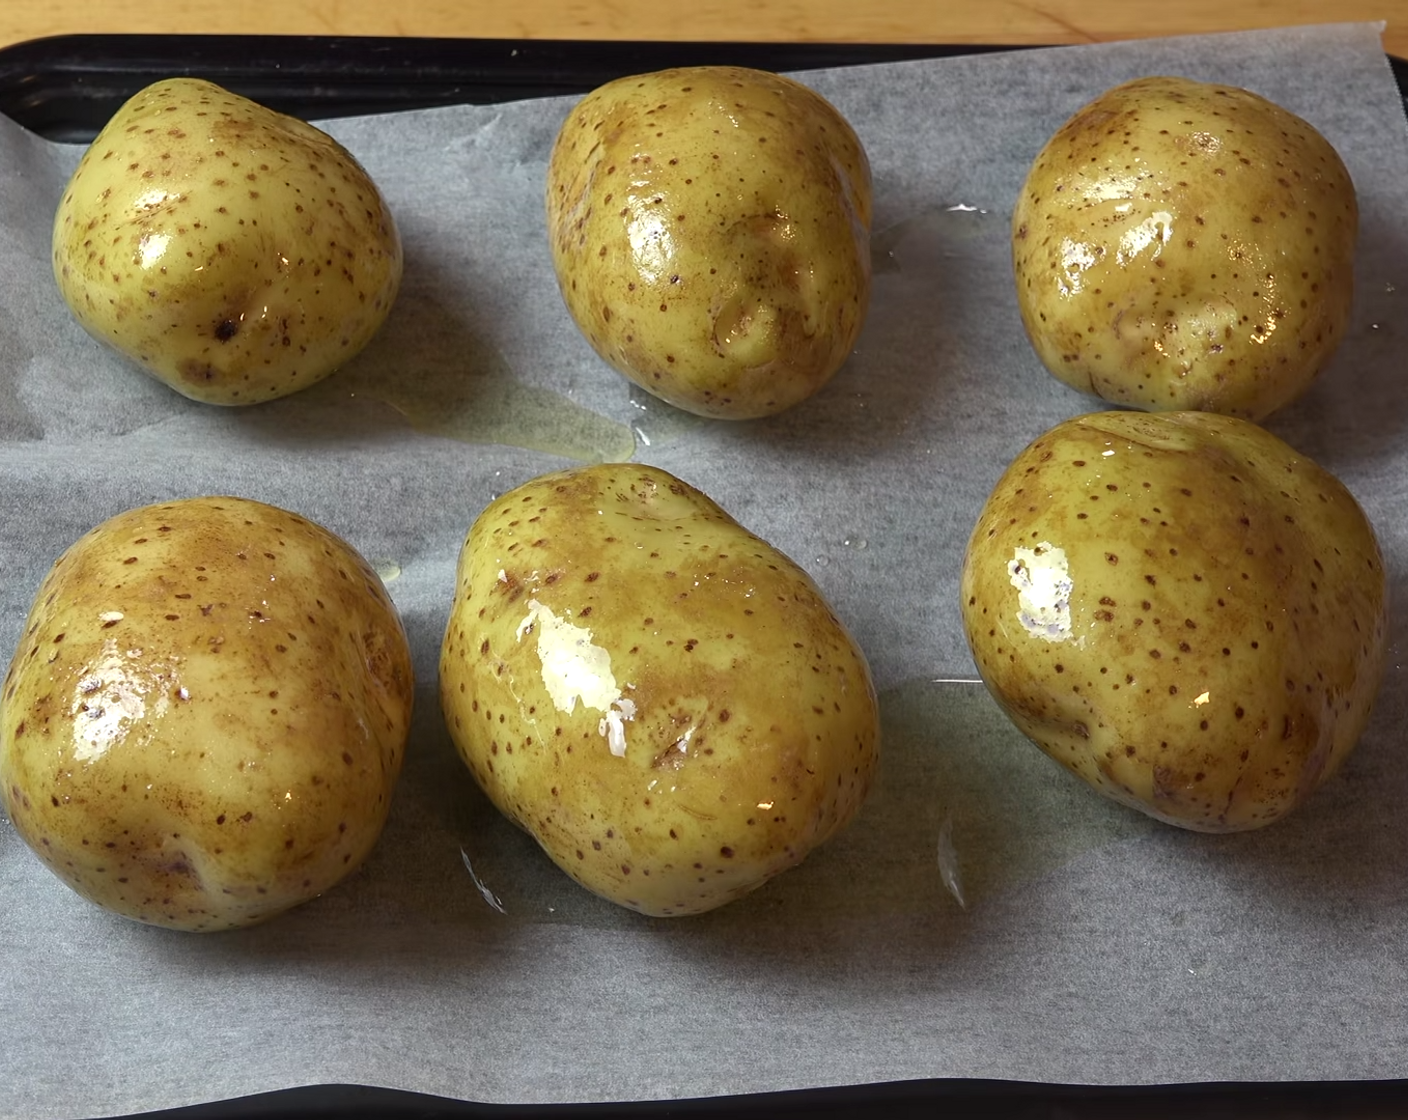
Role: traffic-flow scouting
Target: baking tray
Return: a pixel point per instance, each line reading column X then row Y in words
column 66, row 87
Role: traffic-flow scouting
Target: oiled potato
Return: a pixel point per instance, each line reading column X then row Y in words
column 1181, row 245
column 206, row 714
column 710, row 228
column 665, row 702
column 234, row 253
column 1181, row 610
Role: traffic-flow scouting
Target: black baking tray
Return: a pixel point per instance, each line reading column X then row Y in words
column 66, row 87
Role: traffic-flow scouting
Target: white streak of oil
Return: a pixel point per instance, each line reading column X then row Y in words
column 949, row 868
column 924, row 240
column 959, row 778
column 658, row 424
column 489, row 896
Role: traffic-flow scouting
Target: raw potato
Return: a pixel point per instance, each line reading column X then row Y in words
column 664, row 701
column 710, row 228
column 206, row 715
column 235, row 253
column 1179, row 245
column 1181, row 610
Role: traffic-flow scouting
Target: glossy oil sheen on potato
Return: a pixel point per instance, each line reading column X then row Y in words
column 1181, row 610
column 710, row 229
column 234, row 253
column 659, row 697
column 1182, row 245
column 206, row 714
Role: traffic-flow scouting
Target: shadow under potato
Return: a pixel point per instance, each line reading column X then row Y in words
column 1354, row 415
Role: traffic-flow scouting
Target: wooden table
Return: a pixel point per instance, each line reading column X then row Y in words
column 874, row 21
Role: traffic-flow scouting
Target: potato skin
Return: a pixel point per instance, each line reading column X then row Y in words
column 234, row 253
column 1181, row 610
column 745, row 721
column 710, row 230
column 206, row 715
column 1184, row 245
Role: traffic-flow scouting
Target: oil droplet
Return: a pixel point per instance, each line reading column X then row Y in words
column 656, row 423
column 860, row 544
column 388, row 570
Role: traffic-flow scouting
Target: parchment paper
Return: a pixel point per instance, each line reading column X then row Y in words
column 1095, row 946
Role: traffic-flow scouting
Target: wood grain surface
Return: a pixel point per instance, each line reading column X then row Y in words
column 873, row 21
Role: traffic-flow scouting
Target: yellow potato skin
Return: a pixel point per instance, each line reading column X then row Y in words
column 234, row 253
column 1184, row 245
column 206, row 714
column 710, row 231
column 752, row 732
column 1226, row 613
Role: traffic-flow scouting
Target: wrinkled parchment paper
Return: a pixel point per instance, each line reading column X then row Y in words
column 1093, row 946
